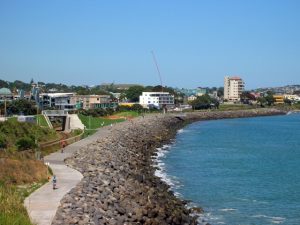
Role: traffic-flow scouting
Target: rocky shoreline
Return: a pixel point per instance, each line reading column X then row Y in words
column 119, row 185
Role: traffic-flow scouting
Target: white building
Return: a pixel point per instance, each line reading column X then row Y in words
column 293, row 98
column 233, row 88
column 192, row 98
column 156, row 99
column 57, row 100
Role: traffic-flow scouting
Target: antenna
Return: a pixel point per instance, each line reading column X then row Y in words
column 154, row 59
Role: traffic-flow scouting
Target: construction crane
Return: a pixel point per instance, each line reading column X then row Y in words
column 156, row 64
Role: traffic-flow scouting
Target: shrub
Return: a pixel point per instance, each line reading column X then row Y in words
column 25, row 143
column 3, row 143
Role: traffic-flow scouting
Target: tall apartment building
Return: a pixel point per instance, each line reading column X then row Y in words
column 233, row 88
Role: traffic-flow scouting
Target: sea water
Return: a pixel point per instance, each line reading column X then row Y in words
column 240, row 171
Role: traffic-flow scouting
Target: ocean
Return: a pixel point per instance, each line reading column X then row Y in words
column 240, row 171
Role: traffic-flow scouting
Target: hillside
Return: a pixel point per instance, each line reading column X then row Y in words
column 14, row 134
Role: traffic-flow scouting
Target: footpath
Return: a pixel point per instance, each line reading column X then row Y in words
column 42, row 204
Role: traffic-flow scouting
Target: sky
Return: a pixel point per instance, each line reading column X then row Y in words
column 196, row 42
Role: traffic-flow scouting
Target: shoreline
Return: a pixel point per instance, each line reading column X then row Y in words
column 119, row 185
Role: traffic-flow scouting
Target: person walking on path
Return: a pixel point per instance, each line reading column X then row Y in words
column 54, row 182
column 63, row 144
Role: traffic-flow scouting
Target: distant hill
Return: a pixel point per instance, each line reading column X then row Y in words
column 52, row 87
column 288, row 89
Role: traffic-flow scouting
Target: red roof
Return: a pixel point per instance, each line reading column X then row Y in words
column 234, row 78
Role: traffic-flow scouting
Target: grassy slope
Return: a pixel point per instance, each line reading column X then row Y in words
column 42, row 121
column 96, row 122
column 12, row 211
column 12, row 130
column 19, row 168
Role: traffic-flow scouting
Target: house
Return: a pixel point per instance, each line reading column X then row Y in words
column 192, row 98
column 5, row 95
column 92, row 102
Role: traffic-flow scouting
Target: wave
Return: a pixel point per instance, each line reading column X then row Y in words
column 227, row 210
column 161, row 170
column 173, row 182
column 252, row 200
column 273, row 219
column 182, row 131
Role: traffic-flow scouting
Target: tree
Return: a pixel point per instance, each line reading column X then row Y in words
column 204, row 102
column 270, row 98
column 262, row 101
column 3, row 84
column 133, row 93
column 220, row 91
column 137, row 107
column 21, row 106
column 288, row 101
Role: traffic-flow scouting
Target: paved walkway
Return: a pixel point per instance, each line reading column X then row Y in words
column 43, row 203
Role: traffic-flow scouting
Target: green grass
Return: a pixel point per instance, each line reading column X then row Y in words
column 42, row 121
column 11, row 131
column 225, row 107
column 12, row 119
column 12, row 211
column 96, row 122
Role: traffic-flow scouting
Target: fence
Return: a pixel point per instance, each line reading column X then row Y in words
column 57, row 143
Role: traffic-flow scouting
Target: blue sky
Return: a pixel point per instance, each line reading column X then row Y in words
column 196, row 42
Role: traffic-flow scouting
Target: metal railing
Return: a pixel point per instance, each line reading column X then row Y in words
column 55, row 112
column 67, row 141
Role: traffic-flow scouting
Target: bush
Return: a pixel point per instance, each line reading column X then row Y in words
column 25, row 143
column 137, row 108
column 134, row 107
column 3, row 143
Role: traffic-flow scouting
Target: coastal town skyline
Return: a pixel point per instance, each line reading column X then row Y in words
column 87, row 43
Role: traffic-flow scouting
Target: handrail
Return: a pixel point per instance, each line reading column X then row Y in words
column 48, row 121
column 68, row 140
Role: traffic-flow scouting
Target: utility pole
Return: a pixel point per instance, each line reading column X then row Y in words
column 89, row 122
column 37, row 115
column 4, row 107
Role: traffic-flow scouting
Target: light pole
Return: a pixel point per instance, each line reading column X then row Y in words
column 4, row 107
column 37, row 115
column 89, row 122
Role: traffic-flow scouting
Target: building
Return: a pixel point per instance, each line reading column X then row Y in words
column 192, row 98
column 201, row 91
column 189, row 92
column 278, row 99
column 233, row 88
column 92, row 102
column 60, row 101
column 5, row 95
column 292, row 98
column 156, row 99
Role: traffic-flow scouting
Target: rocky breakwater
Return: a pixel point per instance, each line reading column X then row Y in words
column 119, row 186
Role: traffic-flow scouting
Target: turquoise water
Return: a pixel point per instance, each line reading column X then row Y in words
column 241, row 171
